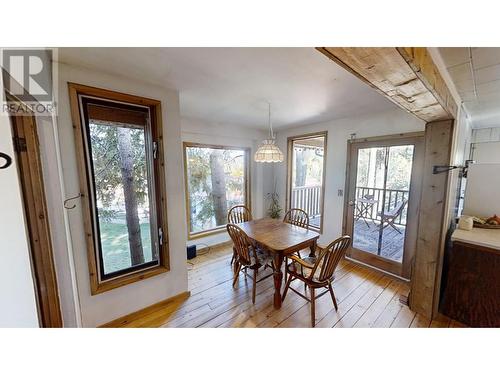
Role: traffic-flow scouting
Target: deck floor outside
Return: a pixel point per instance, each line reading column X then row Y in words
column 366, row 238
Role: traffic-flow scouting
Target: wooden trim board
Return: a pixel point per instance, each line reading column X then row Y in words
column 135, row 316
column 27, row 149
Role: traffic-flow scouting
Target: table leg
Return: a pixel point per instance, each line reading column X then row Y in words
column 278, row 277
column 312, row 254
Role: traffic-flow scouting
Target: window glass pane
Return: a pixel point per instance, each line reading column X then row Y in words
column 123, row 198
column 216, row 182
column 307, row 177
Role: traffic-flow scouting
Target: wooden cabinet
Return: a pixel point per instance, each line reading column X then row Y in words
column 471, row 285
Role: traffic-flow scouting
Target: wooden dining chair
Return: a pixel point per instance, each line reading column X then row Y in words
column 248, row 257
column 298, row 217
column 317, row 272
column 236, row 215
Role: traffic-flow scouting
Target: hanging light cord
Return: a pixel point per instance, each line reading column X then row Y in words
column 271, row 134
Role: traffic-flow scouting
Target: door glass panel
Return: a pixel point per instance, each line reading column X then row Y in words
column 382, row 181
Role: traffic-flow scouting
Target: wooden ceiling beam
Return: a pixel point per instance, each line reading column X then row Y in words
column 405, row 75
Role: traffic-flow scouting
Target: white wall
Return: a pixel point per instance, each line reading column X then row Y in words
column 463, row 138
column 486, row 145
column 55, row 195
column 481, row 196
column 195, row 130
column 378, row 124
column 107, row 306
column 17, row 293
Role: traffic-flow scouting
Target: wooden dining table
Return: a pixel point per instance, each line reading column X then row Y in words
column 281, row 239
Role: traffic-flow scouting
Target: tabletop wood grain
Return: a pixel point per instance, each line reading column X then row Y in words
column 276, row 235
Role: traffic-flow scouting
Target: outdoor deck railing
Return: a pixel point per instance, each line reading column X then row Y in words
column 307, row 198
column 392, row 197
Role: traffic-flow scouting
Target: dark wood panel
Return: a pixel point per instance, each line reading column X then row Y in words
column 471, row 285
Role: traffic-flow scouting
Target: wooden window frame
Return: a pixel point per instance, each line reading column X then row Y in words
column 97, row 285
column 290, row 141
column 248, row 201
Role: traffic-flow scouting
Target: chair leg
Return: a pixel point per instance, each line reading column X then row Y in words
column 330, row 288
column 394, row 226
column 287, row 286
column 313, row 308
column 254, row 288
column 237, row 268
column 234, row 256
column 285, row 261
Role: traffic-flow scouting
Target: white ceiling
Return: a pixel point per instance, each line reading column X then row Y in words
column 476, row 74
column 231, row 85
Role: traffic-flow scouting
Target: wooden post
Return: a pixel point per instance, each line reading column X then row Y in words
column 431, row 226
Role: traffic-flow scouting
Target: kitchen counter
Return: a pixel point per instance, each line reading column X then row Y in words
column 478, row 236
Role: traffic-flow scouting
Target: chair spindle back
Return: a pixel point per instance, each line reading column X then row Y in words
column 298, row 217
column 239, row 214
column 242, row 244
column 331, row 256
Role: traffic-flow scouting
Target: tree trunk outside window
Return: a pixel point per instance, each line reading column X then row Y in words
column 218, row 187
column 300, row 168
column 132, row 216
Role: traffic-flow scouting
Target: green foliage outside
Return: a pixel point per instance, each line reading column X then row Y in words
column 114, row 241
column 110, row 194
column 371, row 167
column 106, row 160
column 200, row 189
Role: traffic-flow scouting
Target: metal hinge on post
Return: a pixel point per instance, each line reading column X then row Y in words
column 20, row 144
column 155, row 150
column 160, row 236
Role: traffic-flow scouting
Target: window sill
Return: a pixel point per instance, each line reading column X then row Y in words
column 193, row 236
column 120, row 281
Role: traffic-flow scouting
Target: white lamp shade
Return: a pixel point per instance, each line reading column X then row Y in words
column 268, row 152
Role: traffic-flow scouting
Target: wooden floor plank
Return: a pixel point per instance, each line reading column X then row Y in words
column 371, row 315
column 355, row 313
column 365, row 297
column 440, row 321
column 351, row 300
column 342, row 289
column 420, row 321
column 393, row 308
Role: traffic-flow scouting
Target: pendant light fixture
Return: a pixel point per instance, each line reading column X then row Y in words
column 268, row 152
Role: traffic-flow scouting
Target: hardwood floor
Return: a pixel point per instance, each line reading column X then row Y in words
column 366, row 298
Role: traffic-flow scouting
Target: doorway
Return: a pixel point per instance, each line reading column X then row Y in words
column 383, row 194
column 305, row 176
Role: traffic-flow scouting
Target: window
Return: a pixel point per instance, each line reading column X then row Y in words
column 118, row 140
column 217, row 178
column 306, row 177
